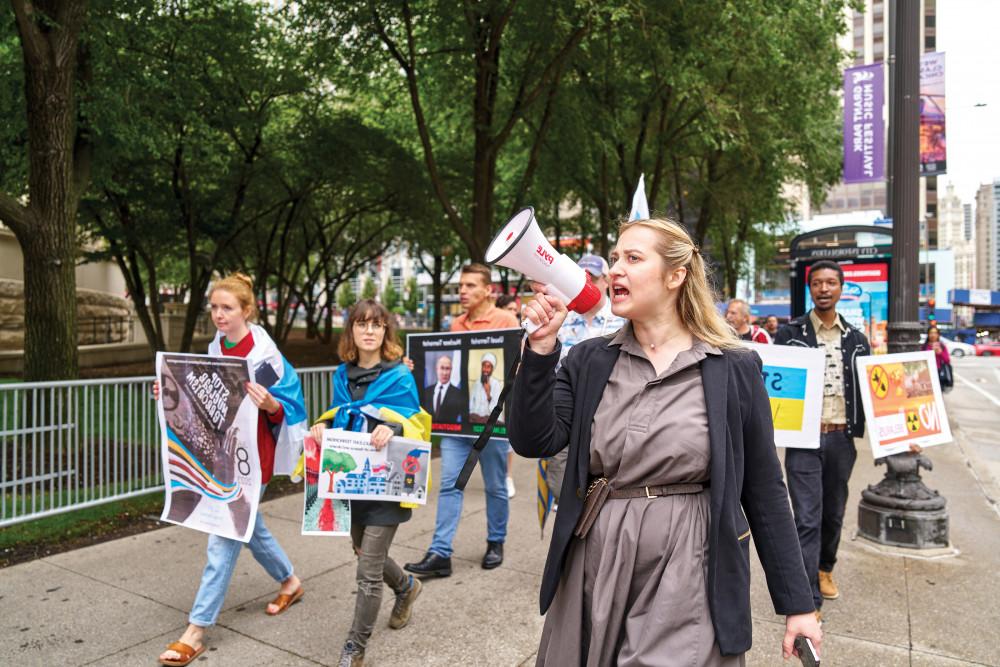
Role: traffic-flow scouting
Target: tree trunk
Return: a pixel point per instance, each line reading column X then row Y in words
column 437, row 288
column 58, row 169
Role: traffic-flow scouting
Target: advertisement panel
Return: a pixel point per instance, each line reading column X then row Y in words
column 864, row 300
column 933, row 153
column 864, row 125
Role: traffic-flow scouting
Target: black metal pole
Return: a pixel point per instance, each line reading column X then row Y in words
column 900, row 510
column 904, row 128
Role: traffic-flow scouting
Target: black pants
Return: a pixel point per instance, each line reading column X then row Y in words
column 817, row 484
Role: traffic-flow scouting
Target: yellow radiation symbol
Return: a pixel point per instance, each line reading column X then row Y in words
column 879, row 381
column 912, row 422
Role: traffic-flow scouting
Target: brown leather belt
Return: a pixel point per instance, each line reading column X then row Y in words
column 830, row 428
column 600, row 490
column 657, row 491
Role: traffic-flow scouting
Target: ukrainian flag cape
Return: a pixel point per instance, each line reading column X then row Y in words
column 287, row 390
column 393, row 394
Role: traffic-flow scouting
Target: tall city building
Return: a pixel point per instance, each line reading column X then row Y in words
column 987, row 221
column 952, row 236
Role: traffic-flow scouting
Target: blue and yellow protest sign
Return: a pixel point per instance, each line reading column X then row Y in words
column 793, row 378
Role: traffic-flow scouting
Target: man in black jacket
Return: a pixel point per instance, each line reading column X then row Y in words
column 817, row 478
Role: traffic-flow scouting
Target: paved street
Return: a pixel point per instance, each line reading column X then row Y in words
column 121, row 602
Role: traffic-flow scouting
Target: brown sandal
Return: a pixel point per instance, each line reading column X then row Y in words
column 285, row 600
column 188, row 654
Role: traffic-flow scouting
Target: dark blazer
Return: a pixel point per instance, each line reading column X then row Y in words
column 552, row 410
column 450, row 410
column 853, row 344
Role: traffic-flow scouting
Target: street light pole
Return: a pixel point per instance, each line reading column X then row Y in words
column 904, row 127
column 900, row 510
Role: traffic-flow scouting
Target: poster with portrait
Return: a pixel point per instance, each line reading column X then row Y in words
column 208, row 426
column 793, row 378
column 352, row 469
column 321, row 515
column 461, row 375
column 903, row 402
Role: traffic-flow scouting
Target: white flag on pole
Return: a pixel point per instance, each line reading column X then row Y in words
column 640, row 209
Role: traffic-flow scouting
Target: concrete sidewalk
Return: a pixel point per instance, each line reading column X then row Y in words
column 121, row 602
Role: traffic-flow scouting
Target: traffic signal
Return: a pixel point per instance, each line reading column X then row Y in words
column 930, row 310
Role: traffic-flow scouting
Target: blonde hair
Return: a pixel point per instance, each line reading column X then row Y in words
column 696, row 300
column 240, row 286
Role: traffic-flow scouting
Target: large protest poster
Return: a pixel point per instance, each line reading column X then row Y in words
column 209, row 433
column 793, row 378
column 321, row 516
column 903, row 402
column 351, row 468
column 461, row 375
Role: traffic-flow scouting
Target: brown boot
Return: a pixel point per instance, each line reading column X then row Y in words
column 827, row 587
column 403, row 609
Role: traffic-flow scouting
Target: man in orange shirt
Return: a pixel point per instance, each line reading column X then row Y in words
column 480, row 313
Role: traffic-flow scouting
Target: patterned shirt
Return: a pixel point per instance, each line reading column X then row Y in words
column 829, row 337
column 576, row 330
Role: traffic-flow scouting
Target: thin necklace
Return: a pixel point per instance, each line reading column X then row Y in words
column 652, row 346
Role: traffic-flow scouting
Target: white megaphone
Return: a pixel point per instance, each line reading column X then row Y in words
column 521, row 246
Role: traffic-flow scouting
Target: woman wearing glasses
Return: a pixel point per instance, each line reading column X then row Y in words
column 374, row 392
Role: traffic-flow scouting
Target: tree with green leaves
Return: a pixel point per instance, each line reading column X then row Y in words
column 390, row 296
column 508, row 58
column 411, row 300
column 346, row 296
column 369, row 291
column 51, row 170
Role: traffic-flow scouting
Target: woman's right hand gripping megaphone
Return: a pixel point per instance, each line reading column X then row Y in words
column 548, row 312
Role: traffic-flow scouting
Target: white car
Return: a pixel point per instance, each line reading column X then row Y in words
column 957, row 349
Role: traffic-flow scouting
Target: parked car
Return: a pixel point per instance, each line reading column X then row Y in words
column 959, row 349
column 988, row 348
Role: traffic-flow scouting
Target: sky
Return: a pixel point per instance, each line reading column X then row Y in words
column 968, row 32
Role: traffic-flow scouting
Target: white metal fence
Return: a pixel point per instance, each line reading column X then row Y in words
column 71, row 444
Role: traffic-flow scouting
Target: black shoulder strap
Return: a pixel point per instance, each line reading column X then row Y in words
column 484, row 437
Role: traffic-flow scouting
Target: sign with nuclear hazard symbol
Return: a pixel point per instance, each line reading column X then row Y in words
column 880, row 382
column 903, row 402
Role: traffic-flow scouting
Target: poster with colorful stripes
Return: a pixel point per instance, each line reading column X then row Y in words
column 793, row 378
column 208, row 426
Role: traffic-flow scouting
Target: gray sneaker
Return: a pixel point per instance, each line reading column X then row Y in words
column 403, row 609
column 352, row 655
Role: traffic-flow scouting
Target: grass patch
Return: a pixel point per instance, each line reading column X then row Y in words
column 93, row 525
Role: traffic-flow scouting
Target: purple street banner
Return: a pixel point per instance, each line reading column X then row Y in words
column 933, row 154
column 864, row 126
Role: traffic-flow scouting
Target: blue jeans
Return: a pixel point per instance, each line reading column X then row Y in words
column 222, row 556
column 493, row 464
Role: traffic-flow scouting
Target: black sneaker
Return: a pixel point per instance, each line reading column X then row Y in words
column 494, row 555
column 403, row 609
column 431, row 566
column 352, row 655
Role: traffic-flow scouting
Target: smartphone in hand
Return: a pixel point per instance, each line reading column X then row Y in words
column 807, row 654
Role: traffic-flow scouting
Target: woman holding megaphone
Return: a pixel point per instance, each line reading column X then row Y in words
column 671, row 467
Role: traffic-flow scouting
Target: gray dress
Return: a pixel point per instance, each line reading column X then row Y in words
column 634, row 592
